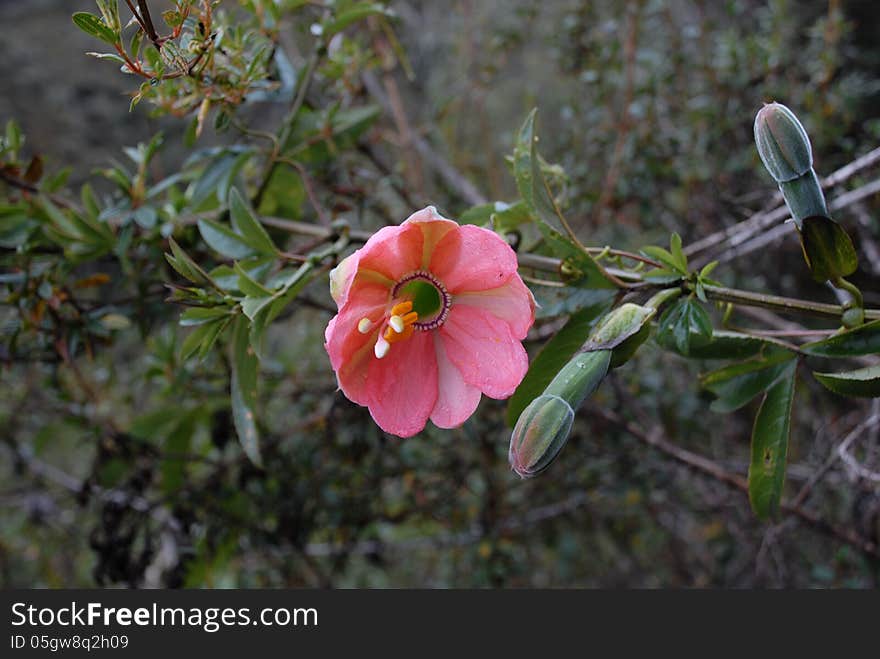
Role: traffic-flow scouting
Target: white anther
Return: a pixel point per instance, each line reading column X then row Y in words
column 364, row 325
column 381, row 348
column 396, row 323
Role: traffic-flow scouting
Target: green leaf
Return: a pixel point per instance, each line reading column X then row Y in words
column 861, row 383
column 737, row 384
column 862, row 340
column 677, row 253
column 203, row 337
column 227, row 278
column 244, row 391
column 92, row 25
column 770, row 438
column 828, row 249
column 578, row 266
column 223, row 240
column 672, row 263
column 265, row 314
column 185, row 266
column 246, row 224
column 248, row 285
column 680, row 321
column 201, row 315
column 551, row 358
column 721, row 345
column 502, row 217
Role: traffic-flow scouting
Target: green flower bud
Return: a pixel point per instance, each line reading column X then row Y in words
column 542, row 429
column 783, row 143
column 623, row 330
column 785, row 150
column 539, row 435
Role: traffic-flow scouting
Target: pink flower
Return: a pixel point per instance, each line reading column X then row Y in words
column 431, row 315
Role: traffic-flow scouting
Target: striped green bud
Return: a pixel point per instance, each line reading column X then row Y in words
column 543, row 428
column 785, row 150
column 539, row 435
column 782, row 143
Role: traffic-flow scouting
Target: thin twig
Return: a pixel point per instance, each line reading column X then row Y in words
column 712, row 469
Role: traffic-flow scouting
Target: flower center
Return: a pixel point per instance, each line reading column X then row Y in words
column 419, row 301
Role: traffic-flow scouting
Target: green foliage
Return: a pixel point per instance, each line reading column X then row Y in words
column 770, row 438
column 861, row 383
column 683, row 320
column 739, row 383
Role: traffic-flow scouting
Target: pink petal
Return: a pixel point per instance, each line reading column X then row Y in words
column 473, row 259
column 483, row 349
column 341, row 278
column 456, row 399
column 402, row 387
column 434, row 227
column 513, row 303
column 348, row 349
column 393, row 251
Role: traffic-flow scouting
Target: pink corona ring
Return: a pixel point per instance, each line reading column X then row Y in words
column 431, row 316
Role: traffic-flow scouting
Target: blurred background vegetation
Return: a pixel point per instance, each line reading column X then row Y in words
column 120, row 461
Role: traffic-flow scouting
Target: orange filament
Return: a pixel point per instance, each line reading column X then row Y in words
column 401, row 308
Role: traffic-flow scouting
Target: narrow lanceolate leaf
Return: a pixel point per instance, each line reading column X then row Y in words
column 861, row 383
column 185, row 266
column 244, row 391
column 722, row 345
column 862, row 340
column 770, row 446
column 225, row 241
column 248, row 226
column 737, row 384
column 552, row 357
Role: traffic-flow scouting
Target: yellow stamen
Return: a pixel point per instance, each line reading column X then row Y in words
column 401, row 308
column 364, row 325
column 410, row 318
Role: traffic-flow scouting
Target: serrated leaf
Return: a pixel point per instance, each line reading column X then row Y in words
column 244, row 391
column 739, row 383
column 770, row 438
column 247, row 225
column 862, row 340
column 551, row 358
column 583, row 270
column 860, row 383
column 224, row 241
